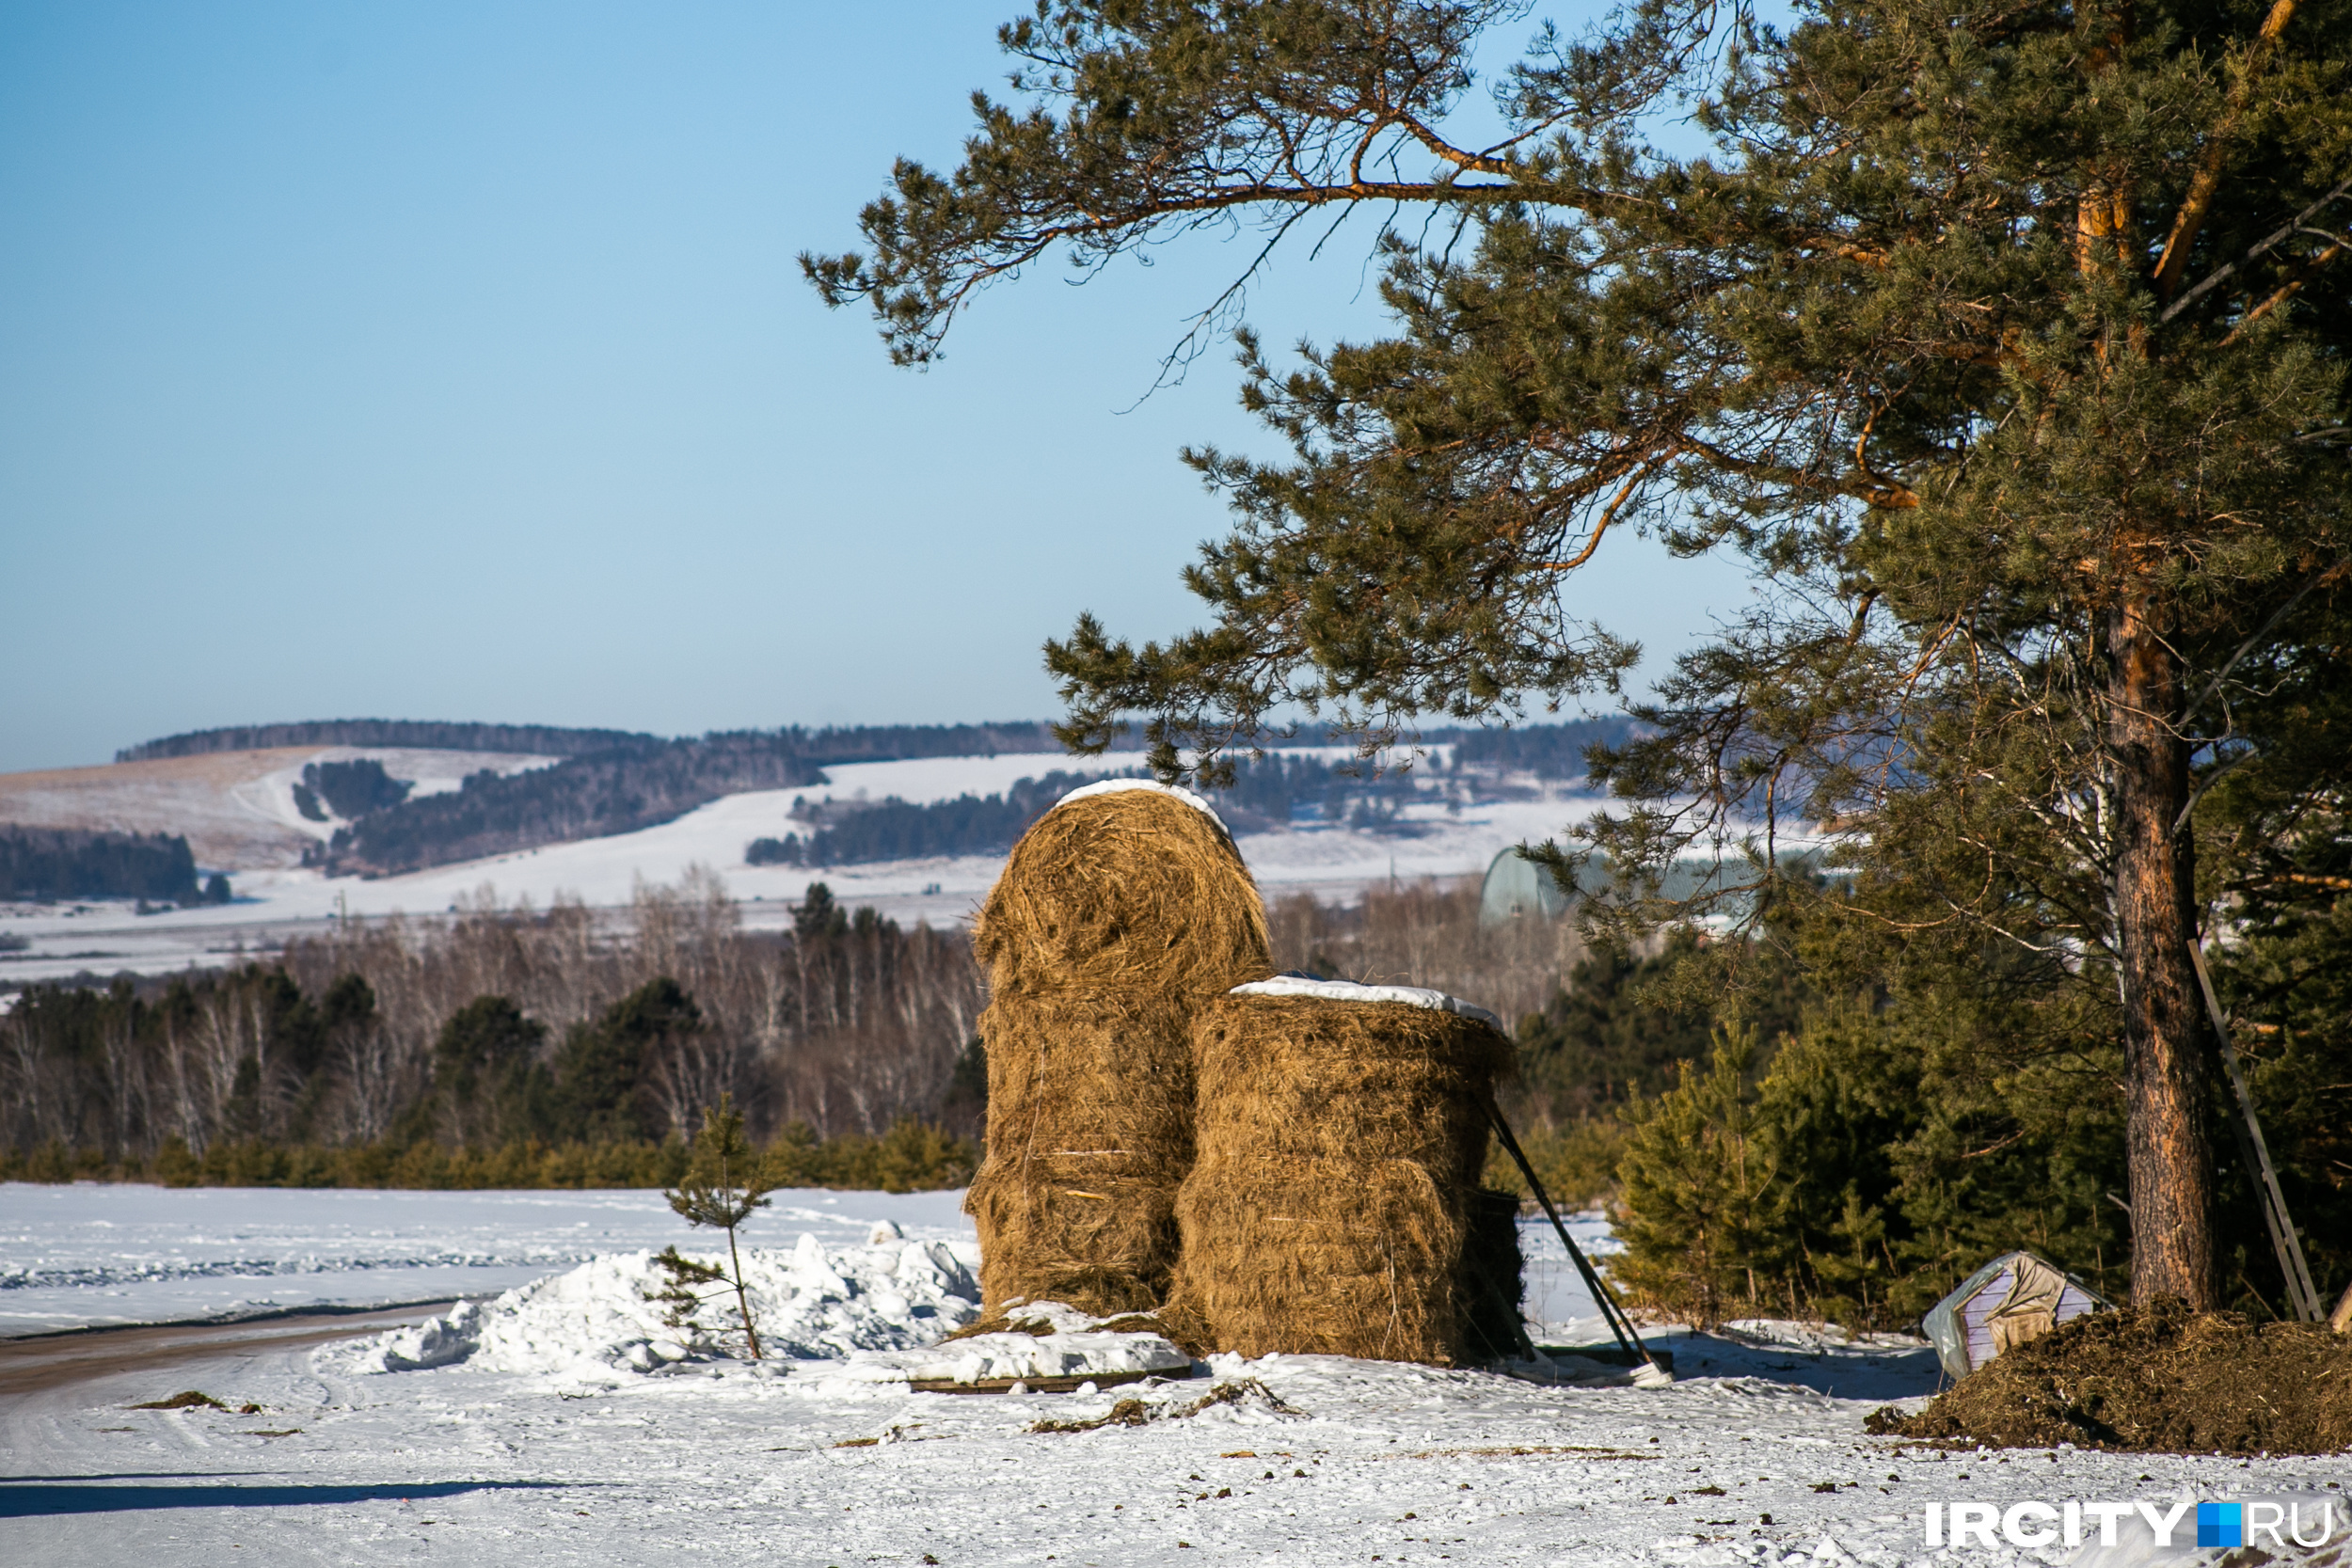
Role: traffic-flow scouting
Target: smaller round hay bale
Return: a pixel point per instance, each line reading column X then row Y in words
column 1339, row 1142
column 1121, row 911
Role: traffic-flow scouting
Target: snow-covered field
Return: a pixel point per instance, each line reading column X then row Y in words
column 92, row 1253
column 556, row 1425
column 236, row 808
column 1332, row 861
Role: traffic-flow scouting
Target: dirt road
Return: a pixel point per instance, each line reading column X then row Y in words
column 47, row 1361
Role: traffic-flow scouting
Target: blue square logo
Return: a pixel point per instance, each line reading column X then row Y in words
column 2220, row 1524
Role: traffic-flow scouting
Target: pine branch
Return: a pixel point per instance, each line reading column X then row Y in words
column 2277, row 237
column 2207, row 179
column 724, row 1186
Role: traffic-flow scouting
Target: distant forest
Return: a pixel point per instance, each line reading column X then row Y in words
column 420, row 735
column 1545, row 748
column 1550, row 752
column 613, row 782
column 347, row 789
column 501, row 1030
column 1279, row 789
column 639, row 781
column 617, row 791
column 893, row 829
column 49, row 863
column 892, row 742
column 520, row 1048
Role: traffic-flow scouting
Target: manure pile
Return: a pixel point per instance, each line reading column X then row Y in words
column 2153, row 1380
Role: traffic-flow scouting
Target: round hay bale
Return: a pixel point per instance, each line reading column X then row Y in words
column 1124, row 887
column 1090, row 1132
column 1330, row 1203
column 1120, row 913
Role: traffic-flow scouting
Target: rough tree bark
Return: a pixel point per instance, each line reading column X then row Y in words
column 2165, row 1046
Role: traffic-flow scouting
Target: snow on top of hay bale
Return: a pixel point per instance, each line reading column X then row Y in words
column 1112, row 786
column 1350, row 991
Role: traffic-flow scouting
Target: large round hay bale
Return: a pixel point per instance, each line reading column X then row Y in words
column 1340, row 1136
column 1124, row 887
column 1120, row 913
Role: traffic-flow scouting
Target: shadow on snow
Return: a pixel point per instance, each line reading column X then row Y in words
column 26, row 1498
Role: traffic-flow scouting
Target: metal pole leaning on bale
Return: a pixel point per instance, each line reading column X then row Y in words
column 1611, row 1313
column 2256, row 1153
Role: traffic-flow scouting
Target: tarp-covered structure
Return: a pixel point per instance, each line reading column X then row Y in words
column 2014, row 1298
column 1515, row 886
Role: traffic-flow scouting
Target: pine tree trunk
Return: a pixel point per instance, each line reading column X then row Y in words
column 2165, row 1044
column 2164, row 1040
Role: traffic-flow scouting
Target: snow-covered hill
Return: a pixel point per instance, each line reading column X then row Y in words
column 236, row 809
column 1333, row 860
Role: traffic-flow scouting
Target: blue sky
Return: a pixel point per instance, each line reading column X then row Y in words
column 451, row 361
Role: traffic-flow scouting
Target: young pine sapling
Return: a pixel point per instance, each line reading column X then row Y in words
column 723, row 1186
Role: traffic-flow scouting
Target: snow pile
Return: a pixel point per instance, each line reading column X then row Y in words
column 1046, row 1340
column 435, row 1343
column 808, row 1303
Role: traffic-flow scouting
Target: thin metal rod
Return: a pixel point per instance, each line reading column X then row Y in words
column 1627, row 1338
column 2256, row 1153
column 1576, row 1255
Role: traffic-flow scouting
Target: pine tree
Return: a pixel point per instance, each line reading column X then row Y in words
column 2007, row 340
column 1706, row 1211
column 486, row 1069
column 603, row 1070
column 724, row 1185
column 817, row 916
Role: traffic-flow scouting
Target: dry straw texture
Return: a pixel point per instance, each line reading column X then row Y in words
column 1131, row 892
column 1339, row 1145
column 1117, row 916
